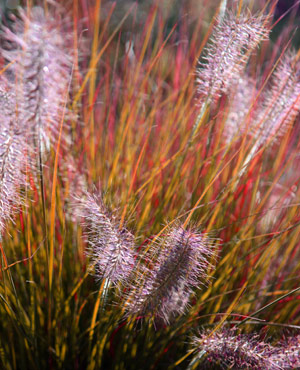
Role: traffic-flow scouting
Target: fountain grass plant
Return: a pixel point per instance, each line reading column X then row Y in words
column 149, row 202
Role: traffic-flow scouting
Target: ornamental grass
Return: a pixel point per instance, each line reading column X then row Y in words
column 149, row 185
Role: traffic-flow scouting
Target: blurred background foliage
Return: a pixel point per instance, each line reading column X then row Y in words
column 174, row 10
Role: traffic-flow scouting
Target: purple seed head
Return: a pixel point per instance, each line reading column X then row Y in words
column 12, row 159
column 287, row 355
column 39, row 73
column 232, row 42
column 32, row 98
column 110, row 247
column 164, row 289
column 282, row 101
column 225, row 349
column 241, row 108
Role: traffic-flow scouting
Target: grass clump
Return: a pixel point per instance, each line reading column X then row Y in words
column 149, row 184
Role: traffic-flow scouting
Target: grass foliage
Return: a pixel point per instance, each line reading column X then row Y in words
column 179, row 155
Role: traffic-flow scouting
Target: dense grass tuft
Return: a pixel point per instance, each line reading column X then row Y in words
column 185, row 119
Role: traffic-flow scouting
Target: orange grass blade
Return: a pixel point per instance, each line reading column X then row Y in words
column 133, row 179
column 53, row 201
column 97, row 58
column 93, row 77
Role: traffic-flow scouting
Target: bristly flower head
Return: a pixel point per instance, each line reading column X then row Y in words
column 232, row 43
column 225, row 349
column 242, row 108
column 282, row 102
column 111, row 248
column 41, row 69
column 12, row 159
column 164, row 289
column 287, row 355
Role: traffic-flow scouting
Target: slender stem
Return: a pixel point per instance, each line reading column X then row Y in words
column 104, row 294
column 199, row 120
column 246, row 163
column 41, row 179
column 268, row 305
column 45, row 231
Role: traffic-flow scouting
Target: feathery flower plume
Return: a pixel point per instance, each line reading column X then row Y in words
column 232, row 42
column 280, row 107
column 276, row 206
column 111, row 248
column 41, row 67
column 287, row 355
column 75, row 177
column 282, row 102
column 12, row 159
column 75, row 182
column 225, row 349
column 241, row 110
column 164, row 290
